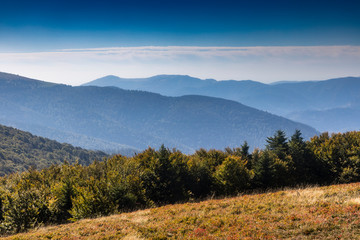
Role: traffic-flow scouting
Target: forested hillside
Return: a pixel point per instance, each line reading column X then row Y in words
column 21, row 150
column 155, row 177
column 306, row 102
column 134, row 119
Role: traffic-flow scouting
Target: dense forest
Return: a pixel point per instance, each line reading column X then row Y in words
column 68, row 192
column 21, row 150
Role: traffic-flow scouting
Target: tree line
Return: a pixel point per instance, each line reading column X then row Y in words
column 69, row 192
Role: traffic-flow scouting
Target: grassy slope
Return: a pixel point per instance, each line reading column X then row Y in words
column 314, row 213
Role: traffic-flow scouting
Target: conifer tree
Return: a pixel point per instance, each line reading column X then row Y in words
column 278, row 144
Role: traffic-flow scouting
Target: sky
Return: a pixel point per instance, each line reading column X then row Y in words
column 74, row 42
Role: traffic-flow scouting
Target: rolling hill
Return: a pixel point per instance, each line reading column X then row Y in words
column 311, row 213
column 294, row 100
column 135, row 119
column 21, row 150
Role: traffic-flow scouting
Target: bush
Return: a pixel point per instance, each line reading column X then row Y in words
column 233, row 176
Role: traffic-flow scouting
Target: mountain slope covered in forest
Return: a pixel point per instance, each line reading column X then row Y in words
column 294, row 100
column 21, row 150
column 138, row 119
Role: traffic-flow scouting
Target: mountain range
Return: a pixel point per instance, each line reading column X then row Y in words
column 330, row 105
column 113, row 119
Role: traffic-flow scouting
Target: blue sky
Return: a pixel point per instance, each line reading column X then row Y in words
column 46, row 28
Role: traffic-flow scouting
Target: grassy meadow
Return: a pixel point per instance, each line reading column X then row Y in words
column 331, row 212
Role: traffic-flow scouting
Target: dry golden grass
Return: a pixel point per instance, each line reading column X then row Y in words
column 331, row 212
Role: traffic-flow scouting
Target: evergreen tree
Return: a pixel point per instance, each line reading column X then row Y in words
column 297, row 150
column 278, row 144
column 245, row 154
column 262, row 167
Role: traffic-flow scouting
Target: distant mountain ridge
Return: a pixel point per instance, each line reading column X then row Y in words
column 288, row 99
column 137, row 119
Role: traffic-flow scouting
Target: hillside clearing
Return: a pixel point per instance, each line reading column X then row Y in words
column 313, row 213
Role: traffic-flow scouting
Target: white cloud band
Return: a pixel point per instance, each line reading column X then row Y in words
column 263, row 63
